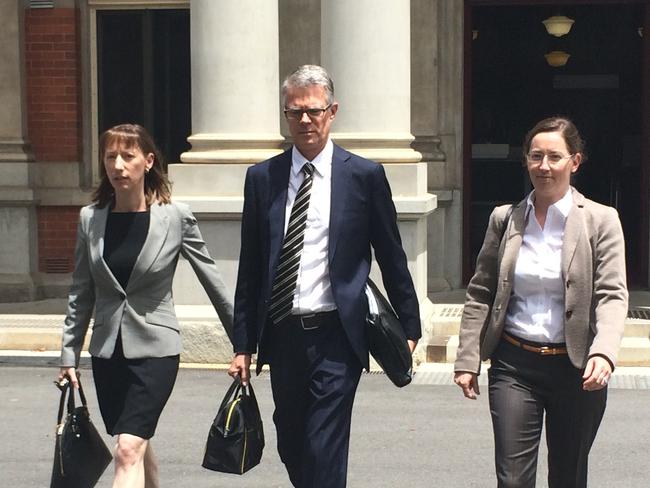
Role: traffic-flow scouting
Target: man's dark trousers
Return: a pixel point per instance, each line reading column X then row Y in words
column 314, row 377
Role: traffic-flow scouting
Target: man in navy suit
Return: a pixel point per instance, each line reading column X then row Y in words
column 317, row 349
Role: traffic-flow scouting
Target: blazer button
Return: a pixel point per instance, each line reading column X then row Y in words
column 122, row 296
column 568, row 314
column 568, row 282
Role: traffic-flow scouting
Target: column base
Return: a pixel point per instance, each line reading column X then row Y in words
column 381, row 147
column 232, row 148
column 17, row 288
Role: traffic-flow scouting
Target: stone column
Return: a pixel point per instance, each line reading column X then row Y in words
column 18, row 250
column 448, row 178
column 235, row 123
column 365, row 46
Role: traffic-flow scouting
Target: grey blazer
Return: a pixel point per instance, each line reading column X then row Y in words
column 144, row 311
column 593, row 268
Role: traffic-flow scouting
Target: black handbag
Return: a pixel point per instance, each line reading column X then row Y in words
column 386, row 338
column 236, row 438
column 80, row 454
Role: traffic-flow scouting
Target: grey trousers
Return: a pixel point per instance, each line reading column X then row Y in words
column 523, row 387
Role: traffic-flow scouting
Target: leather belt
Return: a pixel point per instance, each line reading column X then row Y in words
column 542, row 350
column 313, row 321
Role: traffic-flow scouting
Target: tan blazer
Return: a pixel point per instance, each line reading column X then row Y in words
column 593, row 268
column 144, row 311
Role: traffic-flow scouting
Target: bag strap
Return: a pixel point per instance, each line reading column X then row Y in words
column 506, row 220
column 230, row 394
column 64, row 391
column 248, row 390
column 81, row 394
column 67, row 390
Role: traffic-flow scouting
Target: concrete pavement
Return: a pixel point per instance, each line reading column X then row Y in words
column 423, row 436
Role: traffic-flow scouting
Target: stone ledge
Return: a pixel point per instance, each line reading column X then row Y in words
column 635, row 351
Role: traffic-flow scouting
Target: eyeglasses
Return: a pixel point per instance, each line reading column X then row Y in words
column 553, row 158
column 312, row 113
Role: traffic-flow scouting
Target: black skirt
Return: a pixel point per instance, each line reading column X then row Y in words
column 133, row 392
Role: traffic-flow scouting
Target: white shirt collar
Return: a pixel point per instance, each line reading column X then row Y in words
column 322, row 162
column 563, row 205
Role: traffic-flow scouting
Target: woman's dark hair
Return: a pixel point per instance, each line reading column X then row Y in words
column 564, row 126
column 156, row 185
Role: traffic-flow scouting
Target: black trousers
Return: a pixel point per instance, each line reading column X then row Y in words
column 314, row 378
column 523, row 387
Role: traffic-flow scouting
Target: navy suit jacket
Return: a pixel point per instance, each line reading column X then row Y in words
column 362, row 215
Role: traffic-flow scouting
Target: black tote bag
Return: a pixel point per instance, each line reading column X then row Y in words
column 236, row 438
column 386, row 338
column 80, row 454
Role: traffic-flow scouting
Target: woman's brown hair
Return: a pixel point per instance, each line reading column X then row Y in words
column 156, row 185
column 563, row 125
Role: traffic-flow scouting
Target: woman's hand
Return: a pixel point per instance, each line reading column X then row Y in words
column 468, row 382
column 597, row 374
column 70, row 374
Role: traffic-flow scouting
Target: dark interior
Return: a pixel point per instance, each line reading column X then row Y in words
column 144, row 74
column 600, row 89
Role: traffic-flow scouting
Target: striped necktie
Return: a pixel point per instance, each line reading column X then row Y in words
column 284, row 284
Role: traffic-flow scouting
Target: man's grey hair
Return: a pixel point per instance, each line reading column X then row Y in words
column 309, row 75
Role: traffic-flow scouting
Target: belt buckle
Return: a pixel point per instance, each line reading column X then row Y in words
column 547, row 351
column 302, row 322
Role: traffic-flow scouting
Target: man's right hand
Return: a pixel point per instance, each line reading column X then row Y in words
column 241, row 367
column 468, row 382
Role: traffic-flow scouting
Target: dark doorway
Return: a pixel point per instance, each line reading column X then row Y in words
column 510, row 86
column 144, row 74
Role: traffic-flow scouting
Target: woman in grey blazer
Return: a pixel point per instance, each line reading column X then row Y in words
column 546, row 305
column 128, row 243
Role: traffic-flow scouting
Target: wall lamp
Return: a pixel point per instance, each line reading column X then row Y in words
column 558, row 25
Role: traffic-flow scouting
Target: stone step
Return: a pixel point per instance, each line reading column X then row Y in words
column 204, row 340
column 445, row 321
column 635, row 351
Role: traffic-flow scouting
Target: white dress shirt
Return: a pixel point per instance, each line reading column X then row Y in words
column 536, row 308
column 313, row 289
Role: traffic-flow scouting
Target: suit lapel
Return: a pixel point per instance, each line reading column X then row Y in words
column 97, row 231
column 156, row 236
column 340, row 182
column 279, row 171
column 573, row 231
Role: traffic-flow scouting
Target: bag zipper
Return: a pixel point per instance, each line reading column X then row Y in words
column 230, row 411
column 243, row 456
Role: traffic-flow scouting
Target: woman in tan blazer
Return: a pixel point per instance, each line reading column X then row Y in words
column 546, row 305
column 128, row 244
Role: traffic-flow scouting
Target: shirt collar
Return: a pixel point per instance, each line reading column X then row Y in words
column 322, row 162
column 563, row 205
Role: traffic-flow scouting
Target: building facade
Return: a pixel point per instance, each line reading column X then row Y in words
column 204, row 75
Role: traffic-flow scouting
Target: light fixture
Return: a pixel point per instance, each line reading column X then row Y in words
column 474, row 35
column 558, row 25
column 557, row 58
